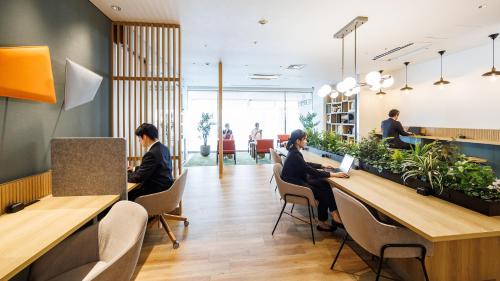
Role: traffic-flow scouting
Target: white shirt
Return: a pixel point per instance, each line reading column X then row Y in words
column 149, row 147
column 256, row 134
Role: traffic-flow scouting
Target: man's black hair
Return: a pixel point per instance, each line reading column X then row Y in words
column 393, row 113
column 148, row 130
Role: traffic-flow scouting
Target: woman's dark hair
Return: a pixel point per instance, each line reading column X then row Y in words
column 148, row 130
column 393, row 113
column 296, row 135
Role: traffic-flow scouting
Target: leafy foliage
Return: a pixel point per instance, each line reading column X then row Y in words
column 473, row 179
column 423, row 163
column 308, row 121
column 205, row 125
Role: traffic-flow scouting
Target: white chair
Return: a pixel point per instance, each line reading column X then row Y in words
column 160, row 204
column 380, row 239
column 276, row 160
column 106, row 251
column 295, row 194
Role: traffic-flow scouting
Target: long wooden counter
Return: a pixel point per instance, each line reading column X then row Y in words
column 30, row 233
column 466, row 243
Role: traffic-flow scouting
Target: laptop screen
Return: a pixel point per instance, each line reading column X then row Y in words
column 346, row 164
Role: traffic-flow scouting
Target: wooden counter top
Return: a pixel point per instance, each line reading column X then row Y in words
column 30, row 233
column 430, row 217
column 438, row 138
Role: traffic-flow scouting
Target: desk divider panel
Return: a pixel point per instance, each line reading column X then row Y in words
column 89, row 166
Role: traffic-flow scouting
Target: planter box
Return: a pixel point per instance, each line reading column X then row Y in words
column 326, row 154
column 489, row 208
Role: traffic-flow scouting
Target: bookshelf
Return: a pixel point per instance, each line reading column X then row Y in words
column 341, row 116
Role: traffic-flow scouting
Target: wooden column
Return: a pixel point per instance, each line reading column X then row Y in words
column 219, row 122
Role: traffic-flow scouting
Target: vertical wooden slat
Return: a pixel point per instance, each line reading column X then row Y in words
column 219, row 125
column 146, row 103
column 174, row 72
column 179, row 112
column 135, row 90
column 25, row 189
column 169, row 94
column 140, row 81
column 158, row 75
column 163, row 87
column 112, row 71
column 129, row 141
column 118, row 68
column 124, row 58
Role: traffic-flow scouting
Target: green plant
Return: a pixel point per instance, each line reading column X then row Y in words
column 205, row 125
column 330, row 141
column 423, row 163
column 313, row 138
column 472, row 179
column 351, row 148
column 375, row 152
column 308, row 121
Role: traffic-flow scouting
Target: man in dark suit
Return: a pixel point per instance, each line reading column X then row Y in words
column 155, row 172
column 392, row 128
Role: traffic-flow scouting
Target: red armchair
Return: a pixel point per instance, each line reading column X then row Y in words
column 228, row 147
column 262, row 147
column 282, row 140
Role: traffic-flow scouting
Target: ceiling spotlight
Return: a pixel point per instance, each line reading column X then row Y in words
column 262, row 21
column 116, row 8
column 482, row 6
column 296, row 66
column 441, row 81
column 493, row 72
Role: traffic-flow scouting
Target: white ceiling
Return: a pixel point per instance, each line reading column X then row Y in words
column 301, row 32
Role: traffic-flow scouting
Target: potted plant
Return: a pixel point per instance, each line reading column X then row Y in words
column 424, row 164
column 204, row 127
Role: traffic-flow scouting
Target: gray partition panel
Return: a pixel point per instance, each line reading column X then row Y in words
column 89, row 166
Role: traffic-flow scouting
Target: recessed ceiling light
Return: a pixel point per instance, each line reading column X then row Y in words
column 255, row 42
column 116, row 8
column 296, row 66
column 263, row 21
column 258, row 76
column 482, row 6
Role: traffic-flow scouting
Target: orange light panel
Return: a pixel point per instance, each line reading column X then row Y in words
column 26, row 73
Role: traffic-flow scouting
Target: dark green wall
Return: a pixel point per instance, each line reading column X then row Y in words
column 73, row 29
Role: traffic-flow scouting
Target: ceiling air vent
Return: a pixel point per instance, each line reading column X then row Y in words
column 404, row 51
column 258, row 76
column 296, row 66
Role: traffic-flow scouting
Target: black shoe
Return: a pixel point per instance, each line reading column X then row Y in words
column 332, row 228
column 338, row 224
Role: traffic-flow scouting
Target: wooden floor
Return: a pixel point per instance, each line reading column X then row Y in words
column 229, row 236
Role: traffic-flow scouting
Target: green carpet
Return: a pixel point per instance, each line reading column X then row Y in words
column 242, row 158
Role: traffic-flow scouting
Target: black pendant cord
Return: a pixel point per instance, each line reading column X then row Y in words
column 355, row 50
column 441, row 66
column 406, row 79
column 494, row 50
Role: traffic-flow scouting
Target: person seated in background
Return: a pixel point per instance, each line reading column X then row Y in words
column 392, row 129
column 256, row 133
column 227, row 133
column 297, row 171
column 155, row 172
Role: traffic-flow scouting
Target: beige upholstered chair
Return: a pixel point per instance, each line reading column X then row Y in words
column 295, row 194
column 160, row 204
column 380, row 239
column 105, row 251
column 276, row 159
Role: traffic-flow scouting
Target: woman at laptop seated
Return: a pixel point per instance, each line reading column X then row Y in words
column 297, row 171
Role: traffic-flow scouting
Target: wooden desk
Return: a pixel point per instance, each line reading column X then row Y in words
column 466, row 243
column 448, row 139
column 131, row 186
column 30, row 233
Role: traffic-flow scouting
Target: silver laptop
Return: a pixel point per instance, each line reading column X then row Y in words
column 345, row 166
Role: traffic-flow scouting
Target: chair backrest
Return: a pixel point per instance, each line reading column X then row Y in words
column 165, row 201
column 228, row 146
column 121, row 233
column 275, row 156
column 303, row 195
column 372, row 234
column 283, row 138
column 264, row 145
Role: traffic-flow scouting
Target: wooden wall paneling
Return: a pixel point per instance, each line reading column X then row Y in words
column 129, row 94
column 163, row 87
column 158, row 75
column 118, row 71
column 219, row 123
column 124, row 66
column 25, row 189
column 169, row 96
column 136, row 60
column 174, row 74
column 112, row 70
column 179, row 109
column 475, row 134
column 141, row 69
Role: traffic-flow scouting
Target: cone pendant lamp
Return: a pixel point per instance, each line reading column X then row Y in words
column 406, row 88
column 493, row 72
column 441, row 81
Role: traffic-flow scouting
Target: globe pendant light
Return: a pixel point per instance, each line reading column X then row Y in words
column 441, row 81
column 493, row 72
column 325, row 90
column 406, row 89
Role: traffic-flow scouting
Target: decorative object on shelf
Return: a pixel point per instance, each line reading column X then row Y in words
column 26, row 73
column 406, row 88
column 493, row 72
column 81, row 85
column 376, row 80
column 441, row 82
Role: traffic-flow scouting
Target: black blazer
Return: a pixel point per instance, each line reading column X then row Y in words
column 155, row 171
column 392, row 129
column 297, row 171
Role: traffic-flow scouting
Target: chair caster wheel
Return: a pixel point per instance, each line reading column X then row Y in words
column 186, row 223
column 176, row 244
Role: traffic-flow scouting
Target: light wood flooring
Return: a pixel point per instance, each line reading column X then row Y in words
column 229, row 236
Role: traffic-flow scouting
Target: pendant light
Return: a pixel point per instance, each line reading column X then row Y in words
column 406, row 89
column 380, row 94
column 493, row 72
column 441, row 81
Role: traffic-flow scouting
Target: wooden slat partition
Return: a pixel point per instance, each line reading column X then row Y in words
column 475, row 134
column 147, row 85
column 25, row 189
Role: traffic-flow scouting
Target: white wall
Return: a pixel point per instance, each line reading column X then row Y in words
column 470, row 101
